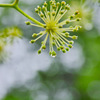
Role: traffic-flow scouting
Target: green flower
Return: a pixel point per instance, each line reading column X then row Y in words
column 85, row 12
column 7, row 37
column 54, row 29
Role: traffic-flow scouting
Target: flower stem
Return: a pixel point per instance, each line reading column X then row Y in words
column 15, row 6
column 6, row 5
column 16, row 2
column 29, row 17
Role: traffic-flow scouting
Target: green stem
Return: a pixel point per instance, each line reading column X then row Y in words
column 29, row 17
column 15, row 6
column 6, row 5
column 16, row 2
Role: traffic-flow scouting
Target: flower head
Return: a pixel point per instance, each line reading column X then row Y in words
column 85, row 13
column 51, row 13
column 7, row 37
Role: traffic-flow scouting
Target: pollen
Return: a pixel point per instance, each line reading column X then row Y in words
column 54, row 28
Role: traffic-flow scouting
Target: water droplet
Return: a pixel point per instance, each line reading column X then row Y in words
column 53, row 56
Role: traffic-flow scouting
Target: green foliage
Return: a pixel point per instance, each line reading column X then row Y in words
column 77, row 84
column 7, row 36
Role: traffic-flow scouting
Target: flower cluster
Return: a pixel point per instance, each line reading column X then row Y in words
column 51, row 13
column 7, row 37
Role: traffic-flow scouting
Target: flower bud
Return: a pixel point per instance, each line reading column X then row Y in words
column 71, row 42
column 28, row 23
column 61, row 47
column 53, row 13
column 63, row 50
column 70, row 46
column 53, row 43
column 67, row 22
column 39, row 51
column 71, row 17
column 61, row 12
column 45, row 4
column 50, row 53
column 36, row 10
column 43, row 47
column 76, row 13
column 34, row 35
column 60, row 26
column 53, row 54
column 58, row 48
column 63, row 3
column 54, row 6
column 67, row 49
column 39, row 8
column 43, row 8
column 67, row 34
column 67, row 7
column 58, row 3
column 74, row 37
column 32, row 41
column 78, row 19
column 42, row 15
column 64, row 31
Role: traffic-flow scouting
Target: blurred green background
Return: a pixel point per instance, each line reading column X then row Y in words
column 25, row 75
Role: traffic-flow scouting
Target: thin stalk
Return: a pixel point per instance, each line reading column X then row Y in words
column 15, row 6
column 6, row 5
column 29, row 17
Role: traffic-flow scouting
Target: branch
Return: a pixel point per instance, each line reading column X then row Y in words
column 10, row 5
column 6, row 5
column 15, row 2
column 15, row 6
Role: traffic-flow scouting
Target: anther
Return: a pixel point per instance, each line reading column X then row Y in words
column 45, row 26
column 61, row 12
column 42, row 15
column 74, row 37
column 54, row 6
column 34, row 35
column 63, row 50
column 71, row 17
column 39, row 51
column 53, row 53
column 53, row 44
column 43, row 47
column 28, row 23
column 61, row 47
column 53, row 13
column 39, row 8
column 58, row 48
column 45, row 4
column 53, row 38
column 60, row 26
column 63, row 3
column 67, row 34
column 67, row 22
column 70, row 46
column 71, row 42
column 67, row 49
column 36, row 10
column 50, row 53
column 64, row 31
column 32, row 41
column 78, row 19
column 43, row 8
column 76, row 13
column 58, row 3
column 67, row 7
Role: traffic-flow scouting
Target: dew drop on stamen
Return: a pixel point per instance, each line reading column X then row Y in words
column 53, row 56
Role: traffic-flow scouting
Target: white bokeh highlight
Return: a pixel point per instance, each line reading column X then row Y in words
column 74, row 58
column 22, row 66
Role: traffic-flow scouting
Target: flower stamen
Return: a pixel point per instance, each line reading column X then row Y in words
column 58, row 35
